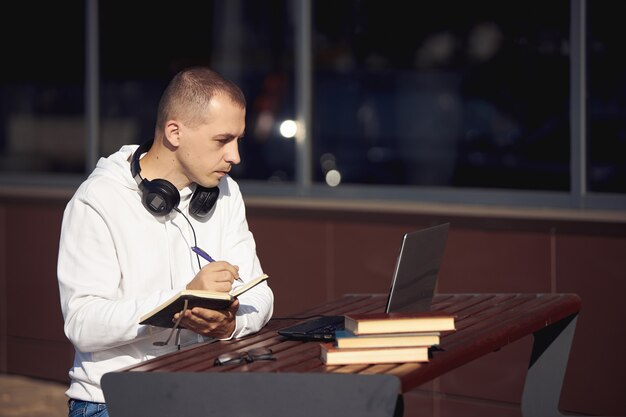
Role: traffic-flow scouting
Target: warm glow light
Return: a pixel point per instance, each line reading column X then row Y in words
column 288, row 128
column 333, row 178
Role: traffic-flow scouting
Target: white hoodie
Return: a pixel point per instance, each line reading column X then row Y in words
column 117, row 262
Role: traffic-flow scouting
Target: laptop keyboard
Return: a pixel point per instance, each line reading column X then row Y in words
column 322, row 328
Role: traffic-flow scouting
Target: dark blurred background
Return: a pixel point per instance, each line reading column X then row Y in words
column 460, row 95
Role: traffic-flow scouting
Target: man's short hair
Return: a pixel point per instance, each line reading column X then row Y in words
column 188, row 94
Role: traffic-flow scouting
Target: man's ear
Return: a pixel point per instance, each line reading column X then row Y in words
column 172, row 133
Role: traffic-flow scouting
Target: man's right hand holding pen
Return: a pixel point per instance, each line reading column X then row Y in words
column 214, row 276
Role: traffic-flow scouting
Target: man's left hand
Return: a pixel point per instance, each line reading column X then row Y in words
column 212, row 323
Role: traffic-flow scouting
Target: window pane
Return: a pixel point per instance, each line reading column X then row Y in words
column 42, row 127
column 607, row 98
column 466, row 94
column 143, row 46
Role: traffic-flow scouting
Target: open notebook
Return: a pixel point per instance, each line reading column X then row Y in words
column 412, row 286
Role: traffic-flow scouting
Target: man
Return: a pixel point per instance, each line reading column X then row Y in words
column 127, row 233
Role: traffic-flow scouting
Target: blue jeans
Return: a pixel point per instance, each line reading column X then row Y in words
column 79, row 408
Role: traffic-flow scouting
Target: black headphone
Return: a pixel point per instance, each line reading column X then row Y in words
column 160, row 196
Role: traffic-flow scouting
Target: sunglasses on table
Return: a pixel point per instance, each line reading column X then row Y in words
column 232, row 358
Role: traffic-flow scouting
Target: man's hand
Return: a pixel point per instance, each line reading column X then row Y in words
column 213, row 323
column 215, row 276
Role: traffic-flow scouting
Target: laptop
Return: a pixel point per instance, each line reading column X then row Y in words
column 412, row 286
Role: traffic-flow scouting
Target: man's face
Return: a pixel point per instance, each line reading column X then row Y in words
column 207, row 152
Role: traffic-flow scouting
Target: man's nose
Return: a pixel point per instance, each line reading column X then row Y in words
column 232, row 152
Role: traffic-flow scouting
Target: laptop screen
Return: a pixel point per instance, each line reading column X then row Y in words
column 415, row 277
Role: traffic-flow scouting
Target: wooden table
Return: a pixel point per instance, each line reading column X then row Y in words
column 485, row 323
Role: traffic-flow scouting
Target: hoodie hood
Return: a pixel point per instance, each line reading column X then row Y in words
column 116, row 167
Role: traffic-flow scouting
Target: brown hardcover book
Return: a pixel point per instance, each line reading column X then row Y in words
column 162, row 315
column 428, row 321
column 332, row 355
column 347, row 339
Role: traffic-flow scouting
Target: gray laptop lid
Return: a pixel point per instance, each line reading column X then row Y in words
column 417, row 268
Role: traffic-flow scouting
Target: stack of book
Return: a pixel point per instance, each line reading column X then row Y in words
column 372, row 338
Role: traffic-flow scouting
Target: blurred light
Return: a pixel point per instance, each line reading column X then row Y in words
column 288, row 128
column 327, row 161
column 264, row 124
column 333, row 178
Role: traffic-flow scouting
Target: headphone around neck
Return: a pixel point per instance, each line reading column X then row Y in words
column 160, row 196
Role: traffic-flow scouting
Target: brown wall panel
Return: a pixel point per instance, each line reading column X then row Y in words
column 479, row 260
column 31, row 273
column 35, row 342
column 293, row 253
column 595, row 268
column 40, row 358
column 3, row 290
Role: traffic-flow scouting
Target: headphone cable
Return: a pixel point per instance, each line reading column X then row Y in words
column 195, row 241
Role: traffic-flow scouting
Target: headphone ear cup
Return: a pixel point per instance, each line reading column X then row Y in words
column 159, row 196
column 203, row 200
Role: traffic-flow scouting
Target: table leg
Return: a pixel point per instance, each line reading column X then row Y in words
column 548, row 362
